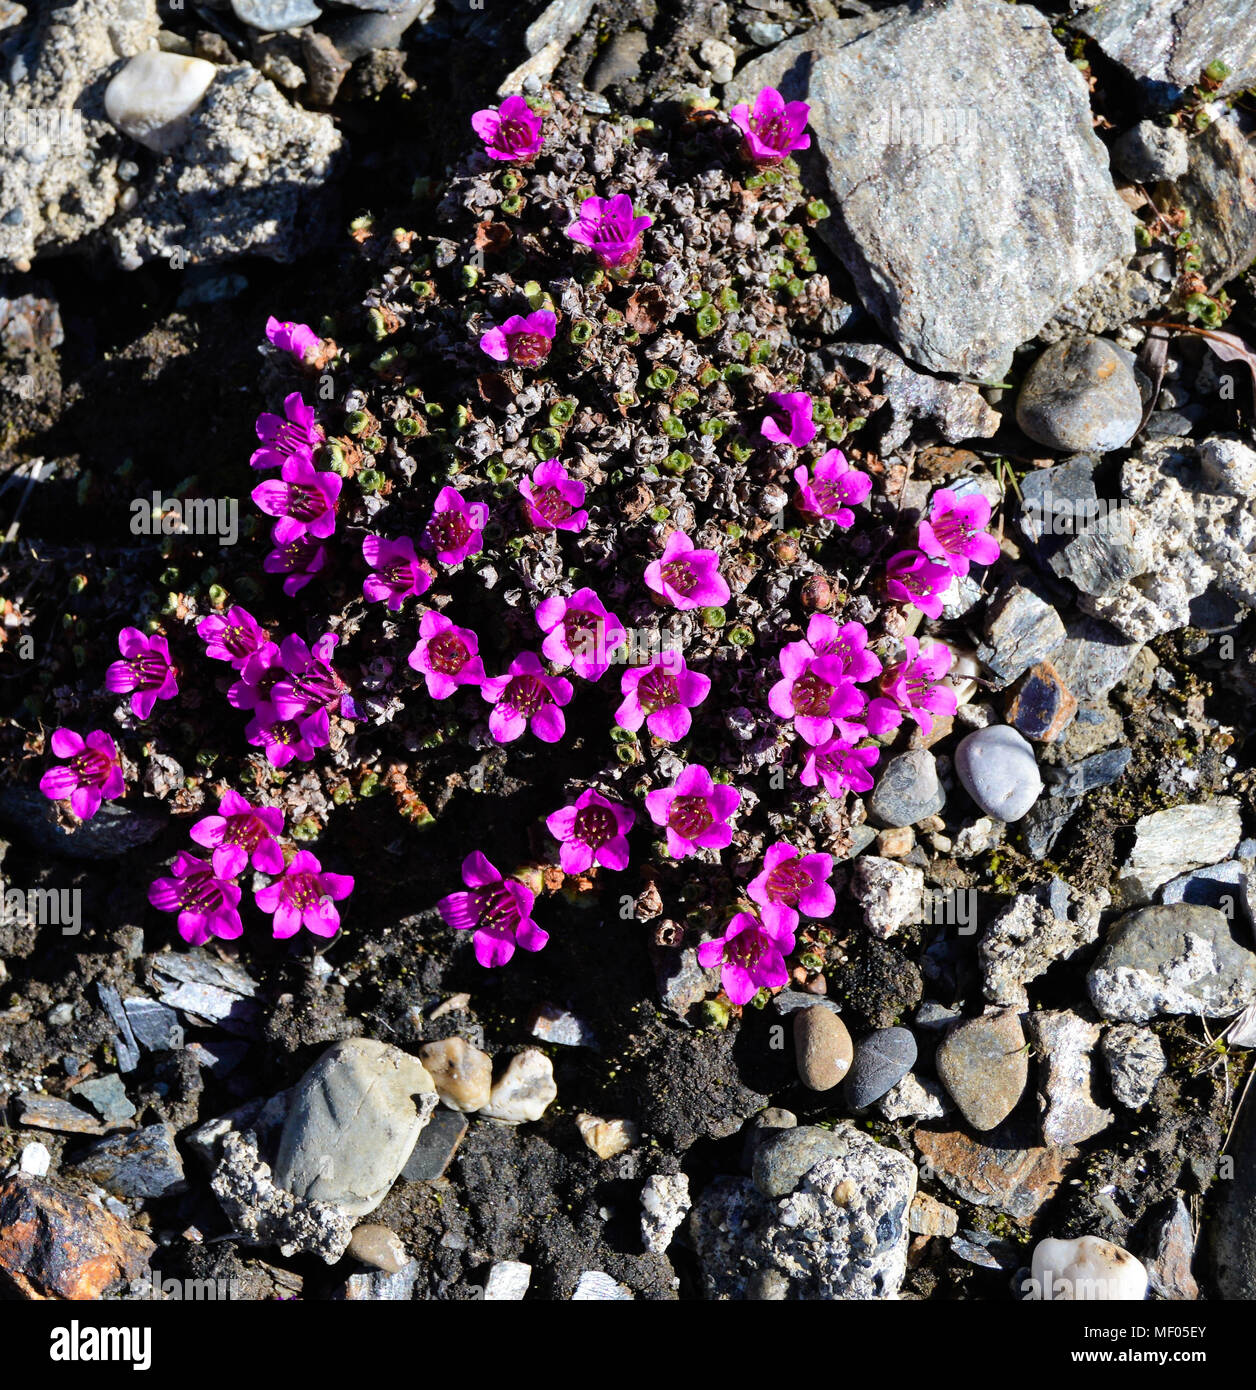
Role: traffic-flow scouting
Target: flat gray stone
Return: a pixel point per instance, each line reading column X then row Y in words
column 107, row 1097
column 143, row 1163
column 1150, row 153
column 1064, row 1042
column 1170, row 843
column 155, row 1026
column 353, row 1121
column 907, row 789
column 882, row 1059
column 1135, row 1062
column 1219, row 191
column 1080, row 394
column 974, row 195
column 436, row 1146
column 1173, row 960
column 984, row 1065
column 1166, row 44
column 271, row 16
column 1021, row 629
column 999, row 771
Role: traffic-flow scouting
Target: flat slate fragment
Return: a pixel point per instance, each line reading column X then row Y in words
column 972, row 197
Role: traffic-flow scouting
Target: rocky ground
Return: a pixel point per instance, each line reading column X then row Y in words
column 1028, row 1017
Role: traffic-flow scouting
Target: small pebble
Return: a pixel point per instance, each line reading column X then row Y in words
column 35, row 1160
column 999, row 771
column 507, row 1281
column 462, row 1074
column 525, row 1089
column 379, row 1247
column 984, row 1065
column 823, row 1048
column 881, row 1061
column 1080, row 395
column 1086, row 1270
column 154, row 94
column 607, row 1138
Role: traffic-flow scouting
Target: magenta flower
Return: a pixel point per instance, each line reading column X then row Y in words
column 846, row 641
column 814, row 691
column 751, row 953
column 840, row 766
column 553, row 497
column 788, row 420
column 525, row 341
column 511, row 132
column 689, row 578
column 305, row 501
column 285, row 739
column 497, row 910
column 234, row 637
column 831, row 490
column 297, row 338
column 300, row 559
column 911, row 577
column 296, row 437
column 92, row 774
column 312, row 683
column 795, row 882
column 305, row 896
column 145, row 669
column 448, row 656
column 240, row 832
column 914, row 685
column 592, row 830
column 660, row 696
column 580, row 633
column 397, row 574
column 207, row 903
column 694, row 810
column 773, row 129
column 456, row 528
column 258, row 677
column 526, row 694
column 954, row 532
column 609, row 228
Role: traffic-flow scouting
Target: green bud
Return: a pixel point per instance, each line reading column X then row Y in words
column 707, row 321
column 674, row 428
column 561, row 413
column 581, row 331
column 661, row 379
column 355, row 422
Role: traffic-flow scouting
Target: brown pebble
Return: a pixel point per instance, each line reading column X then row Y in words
column 823, row 1048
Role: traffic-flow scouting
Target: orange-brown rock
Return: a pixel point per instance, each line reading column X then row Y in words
column 54, row 1244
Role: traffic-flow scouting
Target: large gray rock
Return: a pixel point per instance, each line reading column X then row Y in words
column 352, row 1124
column 973, row 197
column 1173, row 842
column 1172, row 960
column 1219, row 191
column 839, row 1232
column 1165, row 44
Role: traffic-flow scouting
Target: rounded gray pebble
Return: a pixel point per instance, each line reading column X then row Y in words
column 1080, row 395
column 882, row 1059
column 272, row 16
column 999, row 771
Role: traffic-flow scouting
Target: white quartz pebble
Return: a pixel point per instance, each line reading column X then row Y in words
column 1085, row 1270
column 152, row 97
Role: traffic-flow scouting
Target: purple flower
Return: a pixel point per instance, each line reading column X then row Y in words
column 296, row 437
column 788, row 420
column 207, row 904
column 840, row 766
column 660, row 696
column 911, row 577
column 774, row 128
column 145, row 669
column 497, row 910
column 312, row 684
column 914, row 685
column 259, row 675
column 304, row 502
column 610, row 229
column 751, row 953
column 448, row 656
column 592, row 830
column 240, row 832
column 831, row 489
column 814, row 691
column 525, row 341
column 456, row 528
column 694, row 810
column 526, row 694
column 397, row 574
column 300, row 559
column 92, row 774
column 689, row 578
column 954, row 532
column 795, row 882
column 284, row 739
column 296, row 338
column 511, row 132
column 846, row 641
column 553, row 497
column 305, row 897
column 233, row 638
column 580, row 633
